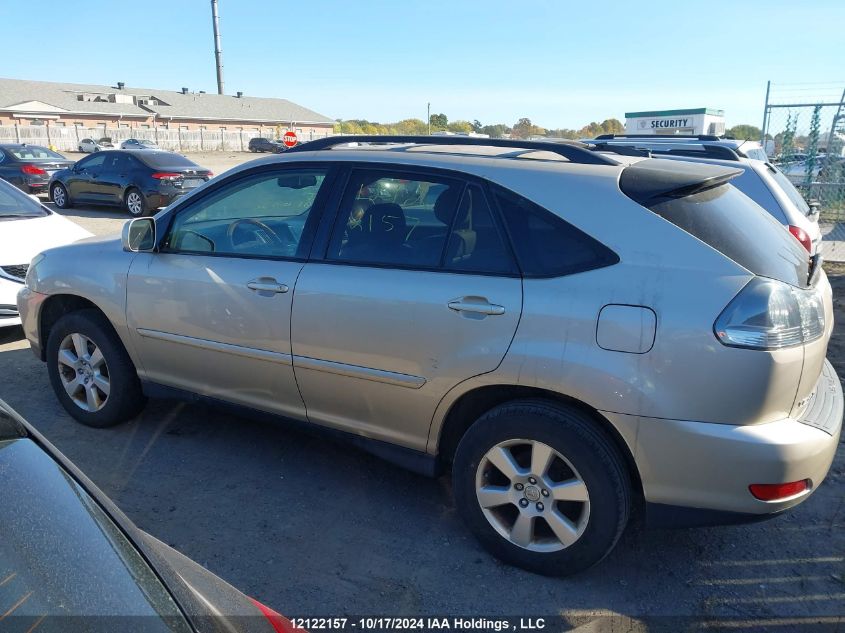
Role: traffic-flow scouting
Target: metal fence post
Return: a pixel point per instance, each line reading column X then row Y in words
column 765, row 115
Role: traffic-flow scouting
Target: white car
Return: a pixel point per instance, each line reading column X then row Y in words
column 26, row 228
column 89, row 146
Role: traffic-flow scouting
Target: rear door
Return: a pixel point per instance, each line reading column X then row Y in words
column 416, row 292
column 113, row 178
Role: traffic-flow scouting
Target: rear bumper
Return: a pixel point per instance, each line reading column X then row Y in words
column 697, row 468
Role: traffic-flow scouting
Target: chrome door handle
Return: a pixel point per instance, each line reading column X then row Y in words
column 267, row 285
column 491, row 309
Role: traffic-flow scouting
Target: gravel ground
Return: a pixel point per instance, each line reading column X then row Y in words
column 311, row 526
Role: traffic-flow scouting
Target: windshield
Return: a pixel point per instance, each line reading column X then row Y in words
column 167, row 160
column 30, row 152
column 724, row 218
column 16, row 204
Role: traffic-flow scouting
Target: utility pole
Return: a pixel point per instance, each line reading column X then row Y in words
column 218, row 49
column 428, row 111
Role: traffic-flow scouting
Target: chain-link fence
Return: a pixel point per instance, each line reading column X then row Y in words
column 804, row 135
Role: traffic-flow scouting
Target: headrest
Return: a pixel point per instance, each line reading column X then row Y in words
column 444, row 206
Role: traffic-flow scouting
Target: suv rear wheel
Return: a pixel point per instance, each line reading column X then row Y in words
column 542, row 487
column 90, row 371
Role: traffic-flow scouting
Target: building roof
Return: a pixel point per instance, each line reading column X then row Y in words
column 653, row 113
column 45, row 97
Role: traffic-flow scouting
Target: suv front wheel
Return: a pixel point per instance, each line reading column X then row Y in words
column 542, row 487
column 90, row 371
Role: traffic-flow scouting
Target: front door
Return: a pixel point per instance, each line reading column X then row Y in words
column 83, row 181
column 417, row 292
column 210, row 312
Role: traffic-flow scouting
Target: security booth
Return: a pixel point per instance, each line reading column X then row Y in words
column 693, row 121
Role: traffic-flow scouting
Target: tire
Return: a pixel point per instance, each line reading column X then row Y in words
column 60, row 196
column 135, row 203
column 597, row 486
column 89, row 331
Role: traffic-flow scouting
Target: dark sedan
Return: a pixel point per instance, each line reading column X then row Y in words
column 71, row 561
column 29, row 167
column 262, row 144
column 140, row 181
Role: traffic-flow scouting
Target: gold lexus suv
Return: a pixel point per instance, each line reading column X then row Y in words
column 573, row 333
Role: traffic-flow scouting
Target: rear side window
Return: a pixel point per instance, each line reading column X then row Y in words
column 752, row 185
column 545, row 244
column 789, row 189
column 475, row 242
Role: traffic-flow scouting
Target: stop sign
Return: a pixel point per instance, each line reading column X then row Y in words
column 289, row 139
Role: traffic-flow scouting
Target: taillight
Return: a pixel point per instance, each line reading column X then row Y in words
column 32, row 170
column 801, row 235
column 166, row 175
column 279, row 622
column 778, row 492
column 769, row 314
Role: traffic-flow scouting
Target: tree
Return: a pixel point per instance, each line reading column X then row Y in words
column 460, row 127
column 439, row 121
column 498, row 130
column 523, row 128
column 476, row 126
column 745, row 132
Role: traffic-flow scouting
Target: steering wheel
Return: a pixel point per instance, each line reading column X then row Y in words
column 261, row 232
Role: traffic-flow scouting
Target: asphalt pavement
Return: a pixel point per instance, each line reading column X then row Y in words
column 311, row 526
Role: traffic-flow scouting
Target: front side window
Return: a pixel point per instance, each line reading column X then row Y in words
column 264, row 215
column 393, row 218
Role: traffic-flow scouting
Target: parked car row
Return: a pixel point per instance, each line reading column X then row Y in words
column 577, row 332
column 140, row 180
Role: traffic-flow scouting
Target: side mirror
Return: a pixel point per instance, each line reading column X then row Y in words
column 139, row 235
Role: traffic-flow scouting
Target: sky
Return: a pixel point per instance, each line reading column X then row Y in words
column 560, row 63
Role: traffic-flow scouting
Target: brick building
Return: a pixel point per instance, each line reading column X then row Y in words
column 91, row 107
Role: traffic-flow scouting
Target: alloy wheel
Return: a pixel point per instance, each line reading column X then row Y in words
column 59, row 196
column 532, row 495
column 83, row 372
column 134, row 203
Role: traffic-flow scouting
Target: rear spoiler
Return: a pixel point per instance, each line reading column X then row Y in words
column 652, row 180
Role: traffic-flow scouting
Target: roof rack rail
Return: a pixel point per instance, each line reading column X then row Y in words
column 624, row 150
column 700, row 137
column 573, row 151
column 707, row 151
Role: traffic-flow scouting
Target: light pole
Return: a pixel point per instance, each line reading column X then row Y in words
column 218, row 48
column 428, row 112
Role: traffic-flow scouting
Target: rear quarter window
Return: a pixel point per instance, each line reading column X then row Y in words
column 545, row 244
